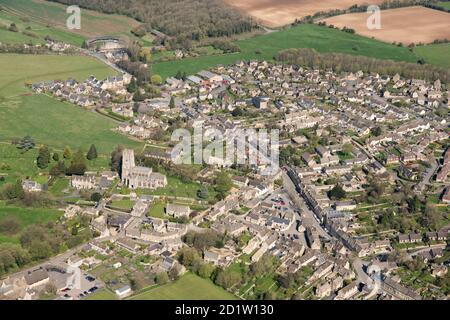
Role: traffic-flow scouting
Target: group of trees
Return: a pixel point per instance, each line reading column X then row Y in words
column 226, row 46
column 350, row 63
column 202, row 241
column 182, row 20
column 191, row 258
column 24, row 144
column 20, row 48
column 337, row 193
column 137, row 69
column 14, row 193
column 38, row 242
column 77, row 160
column 222, row 185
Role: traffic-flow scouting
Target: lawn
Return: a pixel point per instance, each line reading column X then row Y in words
column 303, row 36
column 58, row 186
column 25, row 216
column 125, row 204
column 188, row 287
column 157, row 210
column 103, row 294
column 438, row 54
column 177, row 188
column 48, row 120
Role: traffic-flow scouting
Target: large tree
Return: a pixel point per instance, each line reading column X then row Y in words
column 92, row 153
column 223, row 185
column 77, row 165
column 67, row 153
column 43, row 158
column 337, row 193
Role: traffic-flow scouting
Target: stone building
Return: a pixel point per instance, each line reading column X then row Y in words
column 139, row 177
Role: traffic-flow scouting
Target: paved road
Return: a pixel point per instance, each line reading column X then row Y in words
column 103, row 59
column 362, row 276
column 429, row 174
column 307, row 216
column 309, row 219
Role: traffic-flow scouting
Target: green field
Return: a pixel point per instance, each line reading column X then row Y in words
column 438, row 54
column 444, row 4
column 188, row 287
column 25, row 216
column 14, row 165
column 7, row 36
column 48, row 120
column 17, row 70
column 39, row 29
column 54, row 15
column 303, row 36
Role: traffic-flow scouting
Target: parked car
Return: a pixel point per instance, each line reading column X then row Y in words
column 93, row 289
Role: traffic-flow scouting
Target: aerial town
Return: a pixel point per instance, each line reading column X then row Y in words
column 357, row 206
column 341, row 219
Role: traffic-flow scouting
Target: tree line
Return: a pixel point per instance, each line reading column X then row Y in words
column 339, row 62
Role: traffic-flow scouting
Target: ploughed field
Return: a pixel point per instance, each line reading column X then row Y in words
column 405, row 25
column 277, row 13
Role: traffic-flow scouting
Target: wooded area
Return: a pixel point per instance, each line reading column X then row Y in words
column 184, row 20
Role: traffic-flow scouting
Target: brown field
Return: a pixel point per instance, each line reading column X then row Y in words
column 405, row 25
column 277, row 13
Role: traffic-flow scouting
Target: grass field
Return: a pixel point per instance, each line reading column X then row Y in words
column 47, row 120
column 438, row 54
column 9, row 37
column 303, row 36
column 20, row 69
column 444, row 4
column 54, row 15
column 188, row 287
column 25, row 216
column 39, row 29
column 13, row 163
